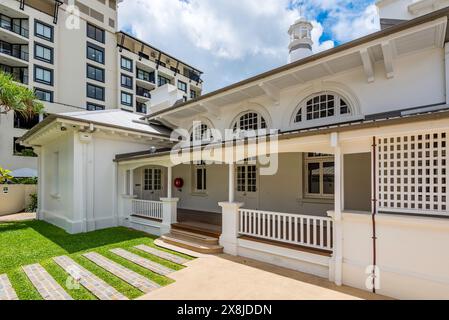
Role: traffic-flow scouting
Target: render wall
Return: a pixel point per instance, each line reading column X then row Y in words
column 412, row 254
column 16, row 199
column 282, row 192
column 58, row 207
column 357, row 182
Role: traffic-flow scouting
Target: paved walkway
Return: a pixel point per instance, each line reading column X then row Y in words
column 162, row 254
column 136, row 280
column 145, row 263
column 18, row 217
column 98, row 287
column 47, row 287
column 225, row 277
column 6, row 290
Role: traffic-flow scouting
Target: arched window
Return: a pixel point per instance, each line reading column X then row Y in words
column 201, row 133
column 321, row 106
column 250, row 121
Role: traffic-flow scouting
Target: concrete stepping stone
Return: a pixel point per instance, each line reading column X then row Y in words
column 47, row 287
column 162, row 254
column 88, row 280
column 6, row 290
column 145, row 263
column 133, row 278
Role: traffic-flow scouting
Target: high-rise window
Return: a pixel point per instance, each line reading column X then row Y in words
column 94, row 107
column 127, row 99
column 126, row 64
column 43, row 95
column 43, row 30
column 182, row 86
column 95, row 33
column 95, row 53
column 126, row 81
column 95, row 92
column 43, row 53
column 95, row 73
column 43, row 75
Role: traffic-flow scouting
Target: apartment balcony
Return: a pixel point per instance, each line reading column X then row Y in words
column 143, row 94
column 14, row 25
column 145, row 80
column 19, row 74
column 141, row 107
column 13, row 55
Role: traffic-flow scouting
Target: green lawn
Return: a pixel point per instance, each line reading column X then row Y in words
column 30, row 242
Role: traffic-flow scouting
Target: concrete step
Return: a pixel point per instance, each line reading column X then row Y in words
column 195, row 236
column 197, row 228
column 191, row 243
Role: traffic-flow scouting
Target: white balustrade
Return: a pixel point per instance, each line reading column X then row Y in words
column 304, row 230
column 147, row 209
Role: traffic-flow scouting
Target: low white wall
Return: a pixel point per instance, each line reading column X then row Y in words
column 284, row 257
column 16, row 199
column 412, row 254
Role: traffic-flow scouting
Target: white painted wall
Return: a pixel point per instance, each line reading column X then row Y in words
column 16, row 198
column 408, row 9
column 419, row 80
column 411, row 252
column 282, row 192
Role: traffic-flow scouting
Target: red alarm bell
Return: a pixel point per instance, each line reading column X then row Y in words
column 179, row 183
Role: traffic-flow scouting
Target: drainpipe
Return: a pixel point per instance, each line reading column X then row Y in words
column 374, row 211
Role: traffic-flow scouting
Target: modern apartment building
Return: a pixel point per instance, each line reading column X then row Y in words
column 75, row 59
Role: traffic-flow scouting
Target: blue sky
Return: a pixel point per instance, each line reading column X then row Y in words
column 230, row 40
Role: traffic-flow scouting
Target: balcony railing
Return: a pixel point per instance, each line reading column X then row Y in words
column 18, row 74
column 147, row 209
column 13, row 27
column 142, row 92
column 14, row 52
column 308, row 231
column 141, row 107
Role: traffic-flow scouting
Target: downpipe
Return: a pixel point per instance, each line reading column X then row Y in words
column 374, row 212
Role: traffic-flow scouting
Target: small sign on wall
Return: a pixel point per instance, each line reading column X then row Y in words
column 5, row 190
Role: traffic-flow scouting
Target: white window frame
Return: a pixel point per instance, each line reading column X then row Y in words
column 339, row 103
column 155, row 183
column 201, row 133
column 201, row 166
column 320, row 159
column 237, row 126
column 244, row 180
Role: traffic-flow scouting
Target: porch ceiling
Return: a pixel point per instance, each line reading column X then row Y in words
column 384, row 46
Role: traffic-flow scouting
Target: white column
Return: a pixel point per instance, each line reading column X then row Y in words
column 131, row 182
column 446, row 51
column 230, row 226
column 169, row 213
column 231, row 191
column 169, row 182
column 40, row 177
column 337, row 256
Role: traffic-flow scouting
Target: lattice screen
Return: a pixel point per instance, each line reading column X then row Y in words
column 413, row 173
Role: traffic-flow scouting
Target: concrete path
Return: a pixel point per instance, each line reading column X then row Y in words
column 6, row 290
column 162, row 254
column 91, row 282
column 25, row 216
column 145, row 263
column 224, row 277
column 136, row 280
column 47, row 287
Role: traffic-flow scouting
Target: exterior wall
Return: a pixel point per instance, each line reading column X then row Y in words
column 282, row 192
column 58, row 207
column 357, row 181
column 408, row 9
column 419, row 80
column 411, row 253
column 17, row 198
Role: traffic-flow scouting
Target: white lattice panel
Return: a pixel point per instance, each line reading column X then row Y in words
column 412, row 173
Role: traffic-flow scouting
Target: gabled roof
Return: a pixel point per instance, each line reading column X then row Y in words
column 232, row 89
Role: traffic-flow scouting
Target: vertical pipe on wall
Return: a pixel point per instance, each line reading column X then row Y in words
column 374, row 208
column 446, row 60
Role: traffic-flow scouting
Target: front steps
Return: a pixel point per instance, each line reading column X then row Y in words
column 193, row 238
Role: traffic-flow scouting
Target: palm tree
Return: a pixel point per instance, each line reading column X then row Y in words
column 15, row 97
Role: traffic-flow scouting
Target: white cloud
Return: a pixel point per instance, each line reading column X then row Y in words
column 349, row 28
column 228, row 39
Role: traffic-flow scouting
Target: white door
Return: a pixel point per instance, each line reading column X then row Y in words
column 152, row 186
column 247, row 186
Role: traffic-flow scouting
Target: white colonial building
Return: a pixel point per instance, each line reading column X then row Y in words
column 358, row 138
